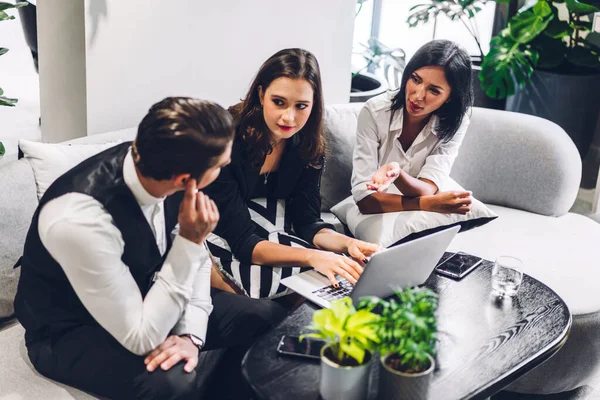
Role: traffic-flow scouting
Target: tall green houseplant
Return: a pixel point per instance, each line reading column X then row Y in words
column 537, row 38
column 462, row 11
column 4, row 16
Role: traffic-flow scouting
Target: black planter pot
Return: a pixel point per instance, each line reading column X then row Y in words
column 366, row 85
column 569, row 100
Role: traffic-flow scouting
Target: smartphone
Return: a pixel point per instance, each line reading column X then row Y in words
column 458, row 265
column 308, row 347
column 446, row 256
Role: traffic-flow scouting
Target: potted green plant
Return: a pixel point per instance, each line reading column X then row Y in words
column 548, row 60
column 462, row 11
column 407, row 331
column 374, row 56
column 346, row 359
column 4, row 16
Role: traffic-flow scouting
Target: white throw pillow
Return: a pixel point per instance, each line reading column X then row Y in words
column 391, row 228
column 49, row 160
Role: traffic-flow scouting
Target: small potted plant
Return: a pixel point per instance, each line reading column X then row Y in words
column 407, row 336
column 346, row 359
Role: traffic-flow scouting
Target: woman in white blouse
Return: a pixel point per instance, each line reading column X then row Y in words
column 407, row 139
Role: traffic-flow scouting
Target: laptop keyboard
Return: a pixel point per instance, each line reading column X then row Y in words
column 332, row 293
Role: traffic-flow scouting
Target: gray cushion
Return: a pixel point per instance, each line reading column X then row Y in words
column 18, row 378
column 340, row 131
column 518, row 161
column 17, row 204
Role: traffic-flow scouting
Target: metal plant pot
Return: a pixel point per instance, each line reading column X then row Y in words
column 344, row 383
column 569, row 100
column 396, row 385
column 366, row 85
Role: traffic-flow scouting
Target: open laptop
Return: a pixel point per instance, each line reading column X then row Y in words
column 407, row 264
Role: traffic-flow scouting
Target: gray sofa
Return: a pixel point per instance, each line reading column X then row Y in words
column 525, row 168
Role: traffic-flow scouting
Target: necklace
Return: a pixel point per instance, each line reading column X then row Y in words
column 267, row 173
column 272, row 162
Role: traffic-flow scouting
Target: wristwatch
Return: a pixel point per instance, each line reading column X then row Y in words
column 199, row 343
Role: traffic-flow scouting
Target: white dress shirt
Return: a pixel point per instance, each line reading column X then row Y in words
column 81, row 236
column 377, row 144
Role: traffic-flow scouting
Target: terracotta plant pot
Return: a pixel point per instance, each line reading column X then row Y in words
column 397, row 385
column 344, row 383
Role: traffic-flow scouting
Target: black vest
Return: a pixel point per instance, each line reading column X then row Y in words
column 46, row 304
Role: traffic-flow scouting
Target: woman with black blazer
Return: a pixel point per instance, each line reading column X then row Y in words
column 268, row 197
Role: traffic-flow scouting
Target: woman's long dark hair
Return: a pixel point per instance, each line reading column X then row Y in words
column 457, row 66
column 249, row 121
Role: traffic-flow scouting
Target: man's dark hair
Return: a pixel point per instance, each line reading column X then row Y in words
column 457, row 66
column 181, row 135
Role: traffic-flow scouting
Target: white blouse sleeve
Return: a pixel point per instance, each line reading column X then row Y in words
column 365, row 160
column 439, row 163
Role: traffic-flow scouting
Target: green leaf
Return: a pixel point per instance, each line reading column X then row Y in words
column 5, row 17
column 551, row 51
column 583, row 57
column 2, row 149
column 581, row 25
column 421, row 14
column 526, row 26
column 6, row 6
column 542, row 9
column 3, row 50
column 506, row 58
column 558, row 29
column 8, row 102
column 354, row 351
column 1, row 92
column 341, row 309
column 579, row 8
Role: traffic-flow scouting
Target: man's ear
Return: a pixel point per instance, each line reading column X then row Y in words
column 180, row 180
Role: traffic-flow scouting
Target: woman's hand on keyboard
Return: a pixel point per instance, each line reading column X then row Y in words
column 331, row 264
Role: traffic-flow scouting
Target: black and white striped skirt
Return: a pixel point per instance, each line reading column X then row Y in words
column 259, row 281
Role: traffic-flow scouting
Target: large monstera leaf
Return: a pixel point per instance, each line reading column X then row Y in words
column 512, row 58
column 507, row 58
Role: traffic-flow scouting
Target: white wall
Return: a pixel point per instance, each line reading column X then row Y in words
column 139, row 51
column 61, row 53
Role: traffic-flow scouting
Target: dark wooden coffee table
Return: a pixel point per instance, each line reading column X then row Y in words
column 484, row 343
